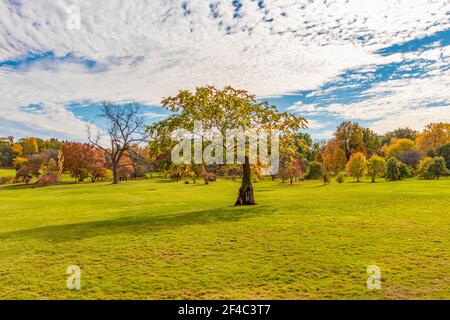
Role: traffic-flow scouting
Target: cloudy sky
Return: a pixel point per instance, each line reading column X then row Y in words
column 383, row 63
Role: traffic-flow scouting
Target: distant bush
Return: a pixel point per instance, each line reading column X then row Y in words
column 26, row 173
column 48, row 179
column 410, row 158
column 6, row 180
column 432, row 168
column 444, row 151
column 357, row 165
column 393, row 169
column 326, row 177
column 340, row 178
column 405, row 171
column 376, row 167
column 315, row 170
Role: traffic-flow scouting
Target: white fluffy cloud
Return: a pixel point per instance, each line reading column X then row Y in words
column 146, row 50
column 403, row 102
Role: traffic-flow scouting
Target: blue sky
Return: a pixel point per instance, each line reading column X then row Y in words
column 385, row 64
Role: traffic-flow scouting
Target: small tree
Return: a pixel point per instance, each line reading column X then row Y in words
column 26, row 173
column 397, row 147
column 315, row 170
column 405, row 170
column 124, row 128
column 444, row 151
column 376, row 167
column 19, row 162
column 393, row 169
column 326, row 177
column 30, row 146
column 357, row 165
column 340, row 178
column 77, row 159
column 422, row 168
column 436, row 167
column 410, row 158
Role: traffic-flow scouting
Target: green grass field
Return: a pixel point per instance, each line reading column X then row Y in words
column 156, row 239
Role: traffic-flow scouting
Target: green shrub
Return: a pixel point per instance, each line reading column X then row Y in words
column 376, row 167
column 393, row 169
column 6, row 180
column 432, row 168
column 357, row 165
column 444, row 151
column 405, row 171
column 326, row 177
column 340, row 178
column 423, row 168
column 315, row 170
column 48, row 179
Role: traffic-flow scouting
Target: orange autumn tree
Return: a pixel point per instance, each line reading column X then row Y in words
column 333, row 157
column 433, row 136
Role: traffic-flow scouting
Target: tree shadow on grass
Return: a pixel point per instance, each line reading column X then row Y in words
column 22, row 186
column 135, row 225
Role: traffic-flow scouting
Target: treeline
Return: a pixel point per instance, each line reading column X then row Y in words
column 353, row 150
column 48, row 160
column 359, row 152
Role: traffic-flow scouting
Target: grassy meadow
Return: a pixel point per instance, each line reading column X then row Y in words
column 158, row 239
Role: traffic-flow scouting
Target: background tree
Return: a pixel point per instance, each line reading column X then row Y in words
column 96, row 167
column 295, row 169
column 397, row 147
column 82, row 160
column 393, row 169
column 140, row 160
column 433, row 136
column 410, row 158
column 31, row 167
column 19, row 162
column 306, row 147
column 357, row 165
column 29, row 145
column 436, row 167
column 315, row 170
column 350, row 137
column 376, row 167
column 333, row 157
column 291, row 153
column 6, row 153
column 124, row 128
column 223, row 110
column 17, row 149
column 25, row 174
column 372, row 141
column 444, row 152
column 401, row 133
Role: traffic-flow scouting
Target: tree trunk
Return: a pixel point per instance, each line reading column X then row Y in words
column 245, row 197
column 114, row 170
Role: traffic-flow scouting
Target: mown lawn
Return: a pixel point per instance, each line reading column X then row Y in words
column 156, row 239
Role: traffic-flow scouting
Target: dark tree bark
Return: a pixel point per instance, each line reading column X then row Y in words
column 125, row 127
column 245, row 197
column 115, row 176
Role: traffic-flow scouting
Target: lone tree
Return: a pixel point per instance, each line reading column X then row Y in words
column 124, row 128
column 357, row 165
column 221, row 110
column 376, row 167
